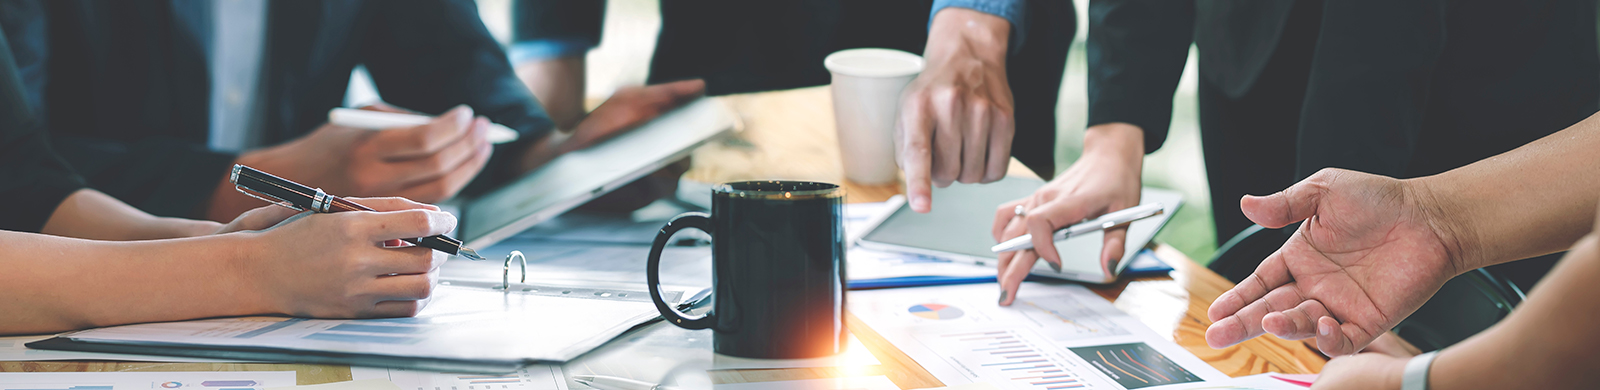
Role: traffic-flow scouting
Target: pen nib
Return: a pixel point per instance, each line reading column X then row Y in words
column 469, row 254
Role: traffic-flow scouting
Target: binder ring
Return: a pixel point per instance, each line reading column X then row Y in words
column 505, row 275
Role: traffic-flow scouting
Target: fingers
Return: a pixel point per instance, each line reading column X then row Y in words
column 452, row 182
column 1043, row 220
column 1338, row 340
column 1001, row 132
column 1296, row 323
column 1113, row 246
column 676, row 93
column 975, row 144
column 260, row 218
column 392, row 204
column 1003, row 216
column 411, row 172
column 916, row 154
column 423, row 141
column 385, row 107
column 390, row 309
column 1014, row 273
column 1272, row 272
column 383, row 226
column 947, row 137
column 1291, row 205
column 402, row 287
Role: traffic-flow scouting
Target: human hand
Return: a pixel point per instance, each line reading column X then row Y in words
column 1371, row 251
column 260, row 218
column 1104, row 179
column 429, row 163
column 336, row 266
column 626, row 110
column 1362, row 371
column 956, row 118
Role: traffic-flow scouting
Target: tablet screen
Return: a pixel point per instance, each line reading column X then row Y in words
column 962, row 215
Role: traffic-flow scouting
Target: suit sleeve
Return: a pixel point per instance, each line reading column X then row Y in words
column 1136, row 54
column 1409, row 38
column 542, row 29
column 432, row 55
column 1014, row 11
column 33, row 180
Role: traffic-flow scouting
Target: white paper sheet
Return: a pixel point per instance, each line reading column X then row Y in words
column 855, row 355
column 1054, row 335
column 465, row 320
column 14, row 348
column 535, row 377
column 1253, row 382
column 857, row 383
column 359, row 384
column 219, row 380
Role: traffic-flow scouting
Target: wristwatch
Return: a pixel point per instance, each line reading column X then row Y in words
column 1416, row 375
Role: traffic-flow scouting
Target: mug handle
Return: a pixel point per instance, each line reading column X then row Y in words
column 693, row 220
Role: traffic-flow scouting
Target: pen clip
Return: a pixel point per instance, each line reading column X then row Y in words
column 264, row 197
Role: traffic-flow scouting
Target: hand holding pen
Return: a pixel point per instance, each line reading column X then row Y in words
column 296, row 196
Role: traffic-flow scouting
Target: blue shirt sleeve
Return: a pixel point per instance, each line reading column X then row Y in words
column 1013, row 11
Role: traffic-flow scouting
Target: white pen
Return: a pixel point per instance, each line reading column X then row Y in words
column 1107, row 221
column 378, row 120
column 603, row 382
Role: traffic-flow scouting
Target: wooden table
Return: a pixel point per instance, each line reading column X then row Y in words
column 790, row 135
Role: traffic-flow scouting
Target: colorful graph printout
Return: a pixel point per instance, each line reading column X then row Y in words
column 1135, row 365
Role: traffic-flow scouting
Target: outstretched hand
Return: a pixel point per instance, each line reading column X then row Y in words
column 1369, row 254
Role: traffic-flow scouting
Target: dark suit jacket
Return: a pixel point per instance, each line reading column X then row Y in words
column 33, row 181
column 128, row 94
column 1403, row 88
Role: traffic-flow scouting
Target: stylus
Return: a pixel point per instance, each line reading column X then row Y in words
column 377, row 120
column 1107, row 221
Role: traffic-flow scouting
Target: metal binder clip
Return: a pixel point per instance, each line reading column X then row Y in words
column 505, row 275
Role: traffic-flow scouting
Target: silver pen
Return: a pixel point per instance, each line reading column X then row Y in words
column 1107, row 221
column 603, row 382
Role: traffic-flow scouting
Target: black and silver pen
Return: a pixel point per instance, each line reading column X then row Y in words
column 264, row 186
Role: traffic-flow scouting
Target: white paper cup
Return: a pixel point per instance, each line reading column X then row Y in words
column 866, row 101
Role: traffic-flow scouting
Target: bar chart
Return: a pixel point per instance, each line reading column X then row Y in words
column 1016, row 355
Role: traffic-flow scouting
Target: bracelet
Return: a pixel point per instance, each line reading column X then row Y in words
column 1416, row 374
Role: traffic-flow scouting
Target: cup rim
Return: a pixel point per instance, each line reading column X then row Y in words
column 828, row 190
column 833, row 62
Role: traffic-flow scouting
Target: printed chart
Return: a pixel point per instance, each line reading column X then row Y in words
column 1014, row 355
column 1051, row 337
column 1135, row 365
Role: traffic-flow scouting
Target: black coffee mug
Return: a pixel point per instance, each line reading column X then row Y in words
column 777, row 252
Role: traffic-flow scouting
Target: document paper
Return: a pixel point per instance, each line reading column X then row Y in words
column 470, row 321
column 1055, row 336
column 221, row 380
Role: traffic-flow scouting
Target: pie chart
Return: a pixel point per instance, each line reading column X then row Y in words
column 934, row 311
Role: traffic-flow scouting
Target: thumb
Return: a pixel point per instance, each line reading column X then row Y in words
column 1291, row 205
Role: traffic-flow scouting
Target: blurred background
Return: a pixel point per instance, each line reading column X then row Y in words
column 623, row 58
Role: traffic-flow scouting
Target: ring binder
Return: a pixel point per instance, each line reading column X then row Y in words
column 505, row 275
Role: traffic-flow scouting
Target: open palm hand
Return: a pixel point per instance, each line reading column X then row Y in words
column 1366, row 257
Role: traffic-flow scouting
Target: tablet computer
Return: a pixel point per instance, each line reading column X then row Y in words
column 575, row 178
column 958, row 229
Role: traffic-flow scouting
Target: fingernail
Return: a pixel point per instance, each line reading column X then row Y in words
column 1054, row 266
column 1324, row 329
column 919, row 203
column 1003, row 295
